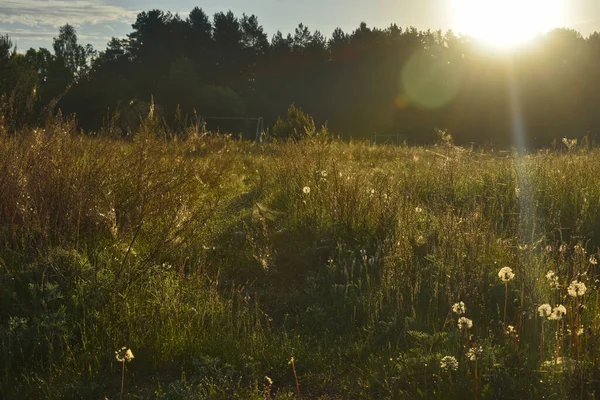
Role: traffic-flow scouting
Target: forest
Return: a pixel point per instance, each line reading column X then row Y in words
column 392, row 81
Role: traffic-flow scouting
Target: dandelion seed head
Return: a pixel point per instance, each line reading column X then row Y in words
column 545, row 310
column 464, row 323
column 459, row 308
column 306, row 190
column 448, row 363
column 579, row 249
column 474, row 352
column 506, row 274
column 558, row 313
column 576, row 289
column 124, row 355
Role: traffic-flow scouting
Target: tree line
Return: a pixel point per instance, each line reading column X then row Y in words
column 392, row 81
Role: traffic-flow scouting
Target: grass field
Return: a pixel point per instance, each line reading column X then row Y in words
column 319, row 268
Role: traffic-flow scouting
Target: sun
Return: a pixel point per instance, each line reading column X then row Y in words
column 506, row 24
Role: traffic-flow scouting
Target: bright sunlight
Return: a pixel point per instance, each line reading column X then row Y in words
column 506, row 24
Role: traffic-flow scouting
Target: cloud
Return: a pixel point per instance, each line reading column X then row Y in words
column 59, row 12
column 30, row 36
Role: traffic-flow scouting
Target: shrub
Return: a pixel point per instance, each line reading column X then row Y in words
column 296, row 126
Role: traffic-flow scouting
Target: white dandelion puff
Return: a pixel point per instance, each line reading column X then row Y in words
column 448, row 363
column 506, row 274
column 464, row 322
column 558, row 313
column 576, row 289
column 544, row 310
column 459, row 308
column 579, row 249
column 474, row 352
column 306, row 190
column 124, row 354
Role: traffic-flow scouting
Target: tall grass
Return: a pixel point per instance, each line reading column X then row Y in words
column 212, row 262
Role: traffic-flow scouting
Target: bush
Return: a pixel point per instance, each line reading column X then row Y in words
column 297, row 126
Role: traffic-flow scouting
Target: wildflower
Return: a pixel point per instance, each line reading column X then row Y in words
column 558, row 313
column 269, row 380
column 552, row 279
column 593, row 260
column 563, row 248
column 511, row 330
column 506, row 274
column 323, row 173
column 418, row 210
column 306, row 190
column 570, row 143
column 464, row 322
column 523, row 247
column 474, row 353
column 124, row 354
column 576, row 289
column 449, row 362
column 459, row 308
column 549, row 249
column 544, row 310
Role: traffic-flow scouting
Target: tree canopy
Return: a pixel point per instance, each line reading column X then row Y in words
column 391, row 81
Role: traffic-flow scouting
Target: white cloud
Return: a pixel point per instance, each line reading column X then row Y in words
column 59, row 12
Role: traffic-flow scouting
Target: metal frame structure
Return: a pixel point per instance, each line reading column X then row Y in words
column 387, row 139
column 260, row 123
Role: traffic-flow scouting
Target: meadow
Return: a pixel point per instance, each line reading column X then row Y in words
column 313, row 268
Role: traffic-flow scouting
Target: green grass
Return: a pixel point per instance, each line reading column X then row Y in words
column 208, row 260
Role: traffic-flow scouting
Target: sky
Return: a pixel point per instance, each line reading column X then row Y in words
column 33, row 23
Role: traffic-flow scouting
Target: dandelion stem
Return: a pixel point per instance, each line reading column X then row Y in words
column 123, row 379
column 296, row 378
column 556, row 345
column 505, row 302
column 476, row 377
column 575, row 332
column 542, row 342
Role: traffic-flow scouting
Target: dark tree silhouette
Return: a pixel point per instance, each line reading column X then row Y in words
column 390, row 81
